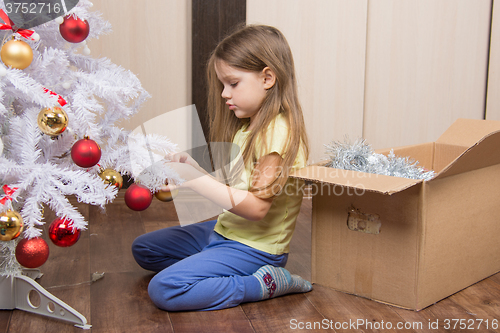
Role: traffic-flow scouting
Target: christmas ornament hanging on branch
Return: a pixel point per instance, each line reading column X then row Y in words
column 52, row 121
column 138, row 197
column 157, row 175
column 111, row 177
column 86, row 153
column 74, row 30
column 16, row 54
column 11, row 225
column 32, row 253
column 359, row 156
column 166, row 196
column 62, row 232
column 11, row 222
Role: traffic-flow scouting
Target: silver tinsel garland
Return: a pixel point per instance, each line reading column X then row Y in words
column 9, row 265
column 359, row 156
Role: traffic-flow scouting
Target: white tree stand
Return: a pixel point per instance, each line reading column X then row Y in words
column 19, row 288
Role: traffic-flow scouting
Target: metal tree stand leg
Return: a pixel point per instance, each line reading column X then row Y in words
column 19, row 288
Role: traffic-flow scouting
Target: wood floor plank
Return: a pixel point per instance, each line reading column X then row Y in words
column 419, row 321
column 352, row 312
column 495, row 278
column 434, row 317
column 228, row 320
column 160, row 211
column 150, row 226
column 481, row 302
column 159, row 215
column 450, row 315
column 111, row 237
column 5, row 316
column 120, row 303
column 282, row 313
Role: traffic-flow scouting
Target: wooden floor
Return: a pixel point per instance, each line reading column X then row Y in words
column 119, row 301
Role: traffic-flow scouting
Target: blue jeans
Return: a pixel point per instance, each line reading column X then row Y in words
column 198, row 269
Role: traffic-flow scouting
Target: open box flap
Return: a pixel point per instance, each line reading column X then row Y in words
column 467, row 132
column 354, row 179
column 485, row 153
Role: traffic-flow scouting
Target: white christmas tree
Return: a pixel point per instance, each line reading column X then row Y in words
column 56, row 112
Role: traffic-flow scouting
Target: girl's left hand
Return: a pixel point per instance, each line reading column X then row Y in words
column 186, row 171
column 183, row 157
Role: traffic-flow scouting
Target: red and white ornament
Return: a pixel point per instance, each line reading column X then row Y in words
column 86, row 153
column 138, row 197
column 62, row 232
column 32, row 253
column 74, row 30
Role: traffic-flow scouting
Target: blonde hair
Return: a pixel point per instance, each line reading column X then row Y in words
column 252, row 48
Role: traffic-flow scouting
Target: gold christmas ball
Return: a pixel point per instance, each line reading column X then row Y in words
column 16, row 54
column 166, row 195
column 11, row 225
column 112, row 177
column 52, row 121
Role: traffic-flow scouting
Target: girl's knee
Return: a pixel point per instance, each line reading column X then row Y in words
column 144, row 256
column 137, row 251
column 137, row 246
column 164, row 295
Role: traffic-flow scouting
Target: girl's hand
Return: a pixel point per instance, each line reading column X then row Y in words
column 186, row 171
column 183, row 157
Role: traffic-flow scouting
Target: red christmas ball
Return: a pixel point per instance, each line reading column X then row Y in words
column 138, row 197
column 74, row 30
column 86, row 153
column 32, row 253
column 62, row 233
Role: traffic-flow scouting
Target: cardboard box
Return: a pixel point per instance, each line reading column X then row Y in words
column 411, row 243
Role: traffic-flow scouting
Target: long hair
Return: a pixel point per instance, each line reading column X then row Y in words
column 252, row 48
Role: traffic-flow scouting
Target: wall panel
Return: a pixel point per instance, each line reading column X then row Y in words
column 493, row 101
column 426, row 66
column 153, row 40
column 328, row 39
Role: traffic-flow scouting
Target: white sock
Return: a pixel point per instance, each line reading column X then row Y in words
column 277, row 281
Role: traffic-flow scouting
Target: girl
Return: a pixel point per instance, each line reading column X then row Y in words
column 239, row 257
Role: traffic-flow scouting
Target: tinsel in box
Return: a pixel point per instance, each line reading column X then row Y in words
column 360, row 156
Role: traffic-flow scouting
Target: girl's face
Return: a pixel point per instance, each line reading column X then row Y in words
column 244, row 91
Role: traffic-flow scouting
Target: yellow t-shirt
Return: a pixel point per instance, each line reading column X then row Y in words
column 273, row 233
